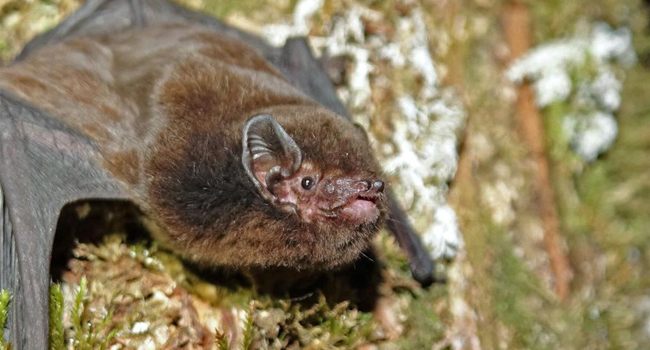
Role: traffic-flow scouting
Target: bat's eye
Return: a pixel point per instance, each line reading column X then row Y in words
column 308, row 183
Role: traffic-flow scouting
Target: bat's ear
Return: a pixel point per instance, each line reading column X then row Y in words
column 269, row 153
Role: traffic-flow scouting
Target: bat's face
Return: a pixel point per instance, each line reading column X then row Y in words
column 330, row 196
column 329, row 186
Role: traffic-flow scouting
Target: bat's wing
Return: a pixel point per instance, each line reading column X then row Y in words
column 297, row 62
column 295, row 59
column 43, row 166
column 110, row 16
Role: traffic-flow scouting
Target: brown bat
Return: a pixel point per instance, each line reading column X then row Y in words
column 239, row 151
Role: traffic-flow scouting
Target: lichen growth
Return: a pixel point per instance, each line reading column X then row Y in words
column 582, row 73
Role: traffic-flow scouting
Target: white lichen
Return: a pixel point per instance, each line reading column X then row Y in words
column 581, row 71
column 140, row 328
column 444, row 237
column 421, row 152
column 277, row 34
column 591, row 134
column 553, row 86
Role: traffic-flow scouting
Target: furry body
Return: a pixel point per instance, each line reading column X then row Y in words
column 166, row 106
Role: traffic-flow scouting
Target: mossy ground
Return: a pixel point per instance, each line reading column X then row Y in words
column 602, row 206
column 499, row 293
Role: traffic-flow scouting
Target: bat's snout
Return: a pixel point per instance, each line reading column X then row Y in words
column 376, row 186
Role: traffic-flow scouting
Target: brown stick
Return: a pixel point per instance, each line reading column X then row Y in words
column 516, row 22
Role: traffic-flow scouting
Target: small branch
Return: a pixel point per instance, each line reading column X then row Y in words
column 516, row 28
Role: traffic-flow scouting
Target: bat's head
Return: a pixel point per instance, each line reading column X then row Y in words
column 295, row 185
column 318, row 172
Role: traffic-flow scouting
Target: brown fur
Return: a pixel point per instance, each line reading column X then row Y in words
column 166, row 106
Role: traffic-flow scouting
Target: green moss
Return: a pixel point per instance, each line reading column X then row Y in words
column 519, row 297
column 80, row 328
column 5, row 299
column 603, row 208
column 57, row 335
column 616, row 198
column 285, row 324
column 393, row 255
column 221, row 9
column 424, row 325
column 247, row 338
column 221, row 341
column 558, row 18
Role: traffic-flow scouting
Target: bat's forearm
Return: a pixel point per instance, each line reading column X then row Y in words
column 420, row 261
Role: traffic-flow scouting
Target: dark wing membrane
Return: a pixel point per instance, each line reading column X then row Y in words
column 110, row 16
column 43, row 166
column 298, row 64
column 294, row 60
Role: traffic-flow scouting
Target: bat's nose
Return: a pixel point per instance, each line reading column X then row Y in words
column 364, row 185
column 368, row 185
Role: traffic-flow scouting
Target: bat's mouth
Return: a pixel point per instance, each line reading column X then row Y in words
column 368, row 198
column 361, row 209
column 364, row 203
column 360, row 205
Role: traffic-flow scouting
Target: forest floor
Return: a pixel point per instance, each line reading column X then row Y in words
column 500, row 289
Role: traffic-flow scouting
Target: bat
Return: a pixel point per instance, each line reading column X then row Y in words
column 232, row 146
